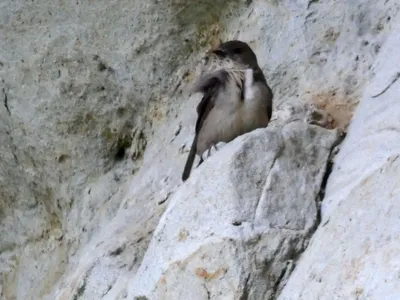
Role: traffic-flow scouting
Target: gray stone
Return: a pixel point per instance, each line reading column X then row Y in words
column 240, row 219
column 354, row 254
column 95, row 121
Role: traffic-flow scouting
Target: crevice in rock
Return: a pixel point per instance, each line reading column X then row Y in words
column 80, row 290
column 6, row 102
column 208, row 292
column 328, row 171
column 397, row 76
column 245, row 294
column 236, row 223
column 321, row 194
column 311, row 2
column 277, row 286
column 329, row 165
column 109, row 287
column 291, row 258
column 82, row 286
column 294, row 257
column 117, row 251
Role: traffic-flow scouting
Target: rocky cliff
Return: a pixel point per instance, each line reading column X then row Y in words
column 96, row 123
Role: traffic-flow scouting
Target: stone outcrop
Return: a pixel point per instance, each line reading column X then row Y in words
column 234, row 229
column 354, row 254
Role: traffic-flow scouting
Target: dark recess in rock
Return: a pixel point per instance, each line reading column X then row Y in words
column 120, row 153
column 6, row 102
column 80, row 290
column 117, row 251
column 102, row 67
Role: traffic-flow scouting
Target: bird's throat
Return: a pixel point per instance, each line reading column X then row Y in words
column 248, row 85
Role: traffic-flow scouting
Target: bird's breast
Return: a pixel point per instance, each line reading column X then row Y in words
column 231, row 117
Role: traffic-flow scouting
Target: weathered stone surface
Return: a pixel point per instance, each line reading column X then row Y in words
column 355, row 253
column 81, row 82
column 240, row 219
column 318, row 52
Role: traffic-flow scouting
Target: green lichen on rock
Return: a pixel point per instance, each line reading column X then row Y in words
column 107, row 134
column 208, row 34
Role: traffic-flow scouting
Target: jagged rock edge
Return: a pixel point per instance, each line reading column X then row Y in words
column 291, row 263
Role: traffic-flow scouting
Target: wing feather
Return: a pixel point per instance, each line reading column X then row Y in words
column 210, row 85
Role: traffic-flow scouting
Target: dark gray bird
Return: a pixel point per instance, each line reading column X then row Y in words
column 236, row 100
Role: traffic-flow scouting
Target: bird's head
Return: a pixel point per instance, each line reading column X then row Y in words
column 237, row 51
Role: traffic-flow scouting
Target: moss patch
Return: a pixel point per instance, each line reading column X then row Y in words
column 107, row 134
column 205, row 20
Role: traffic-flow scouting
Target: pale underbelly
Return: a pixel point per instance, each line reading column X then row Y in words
column 222, row 127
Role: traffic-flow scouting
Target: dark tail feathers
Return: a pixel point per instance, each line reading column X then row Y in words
column 190, row 160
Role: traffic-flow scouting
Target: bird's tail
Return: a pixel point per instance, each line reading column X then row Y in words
column 190, row 160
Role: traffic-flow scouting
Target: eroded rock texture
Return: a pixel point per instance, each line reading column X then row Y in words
column 238, row 223
column 355, row 252
column 95, row 125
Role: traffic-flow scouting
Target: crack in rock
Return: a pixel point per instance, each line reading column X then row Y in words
column 6, row 102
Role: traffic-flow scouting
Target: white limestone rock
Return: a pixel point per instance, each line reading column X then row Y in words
column 80, row 78
column 355, row 253
column 240, row 219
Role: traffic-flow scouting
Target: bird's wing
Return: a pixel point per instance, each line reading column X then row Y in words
column 210, row 86
column 260, row 78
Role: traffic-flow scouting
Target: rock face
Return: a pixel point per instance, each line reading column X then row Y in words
column 355, row 253
column 230, row 232
column 95, row 127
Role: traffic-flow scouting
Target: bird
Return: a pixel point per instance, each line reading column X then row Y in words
column 236, row 99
